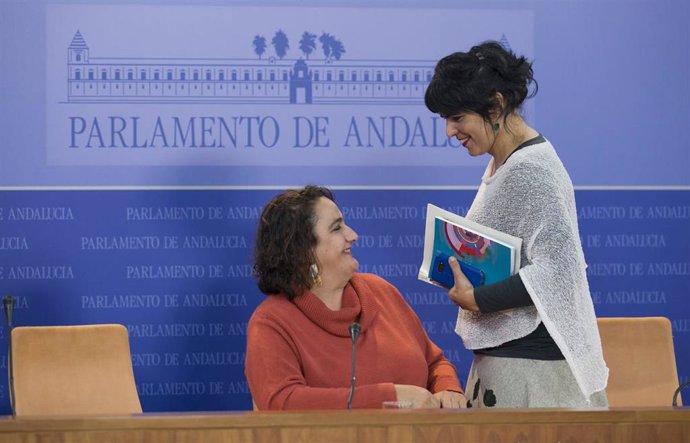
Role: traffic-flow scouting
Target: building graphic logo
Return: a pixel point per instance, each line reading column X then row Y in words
column 331, row 79
column 283, row 89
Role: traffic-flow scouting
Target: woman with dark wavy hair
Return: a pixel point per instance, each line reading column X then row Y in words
column 298, row 340
column 534, row 335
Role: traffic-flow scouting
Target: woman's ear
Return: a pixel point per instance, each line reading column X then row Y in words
column 499, row 106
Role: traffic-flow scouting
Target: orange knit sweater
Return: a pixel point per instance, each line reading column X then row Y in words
column 298, row 353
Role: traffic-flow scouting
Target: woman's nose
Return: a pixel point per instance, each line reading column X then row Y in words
column 353, row 236
column 450, row 129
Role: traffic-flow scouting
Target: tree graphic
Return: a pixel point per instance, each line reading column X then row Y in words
column 325, row 41
column 332, row 47
column 280, row 44
column 337, row 49
column 307, row 44
column 259, row 45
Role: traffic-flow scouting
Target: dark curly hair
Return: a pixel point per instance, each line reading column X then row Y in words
column 469, row 81
column 285, row 241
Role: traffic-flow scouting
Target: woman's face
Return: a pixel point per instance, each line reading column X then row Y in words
column 334, row 240
column 472, row 131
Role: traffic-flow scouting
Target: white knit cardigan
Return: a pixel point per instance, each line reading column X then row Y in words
column 531, row 197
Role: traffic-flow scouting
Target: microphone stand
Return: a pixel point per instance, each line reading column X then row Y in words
column 354, row 334
column 675, row 394
column 8, row 306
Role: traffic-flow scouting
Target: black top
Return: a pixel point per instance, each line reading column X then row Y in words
column 511, row 293
column 507, row 294
column 532, row 141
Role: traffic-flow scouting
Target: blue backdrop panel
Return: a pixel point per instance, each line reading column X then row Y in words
column 175, row 268
column 222, row 94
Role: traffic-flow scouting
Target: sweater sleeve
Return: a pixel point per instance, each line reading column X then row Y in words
column 506, row 294
column 442, row 374
column 276, row 380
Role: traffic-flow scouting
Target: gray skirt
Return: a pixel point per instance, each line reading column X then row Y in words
column 501, row 382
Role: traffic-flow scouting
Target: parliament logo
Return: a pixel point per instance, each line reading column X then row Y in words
column 250, row 86
column 319, row 73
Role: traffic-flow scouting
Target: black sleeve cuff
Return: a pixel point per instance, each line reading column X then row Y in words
column 505, row 294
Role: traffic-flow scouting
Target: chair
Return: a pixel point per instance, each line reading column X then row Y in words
column 641, row 360
column 73, row 370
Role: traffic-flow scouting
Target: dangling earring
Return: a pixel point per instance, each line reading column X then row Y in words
column 496, row 126
column 315, row 275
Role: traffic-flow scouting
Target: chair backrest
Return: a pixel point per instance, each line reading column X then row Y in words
column 641, row 360
column 73, row 370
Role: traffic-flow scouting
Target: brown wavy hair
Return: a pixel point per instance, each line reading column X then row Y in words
column 285, row 241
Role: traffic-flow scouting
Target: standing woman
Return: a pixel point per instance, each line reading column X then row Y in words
column 534, row 335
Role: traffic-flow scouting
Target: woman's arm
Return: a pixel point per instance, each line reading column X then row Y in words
column 442, row 374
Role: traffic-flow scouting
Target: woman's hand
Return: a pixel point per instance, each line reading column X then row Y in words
column 417, row 396
column 462, row 294
column 451, row 399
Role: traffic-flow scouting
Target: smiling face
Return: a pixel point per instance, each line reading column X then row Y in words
column 472, row 131
column 334, row 242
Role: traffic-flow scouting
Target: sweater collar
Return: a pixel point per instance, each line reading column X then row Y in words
column 357, row 301
column 488, row 178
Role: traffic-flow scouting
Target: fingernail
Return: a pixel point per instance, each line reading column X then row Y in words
column 451, row 259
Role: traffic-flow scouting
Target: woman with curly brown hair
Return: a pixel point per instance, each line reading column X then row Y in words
column 298, row 340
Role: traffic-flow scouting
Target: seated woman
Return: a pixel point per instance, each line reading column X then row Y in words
column 299, row 347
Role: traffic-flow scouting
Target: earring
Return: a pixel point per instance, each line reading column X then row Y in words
column 315, row 275
column 496, row 126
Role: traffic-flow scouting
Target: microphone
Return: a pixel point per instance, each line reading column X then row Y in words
column 8, row 306
column 354, row 335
